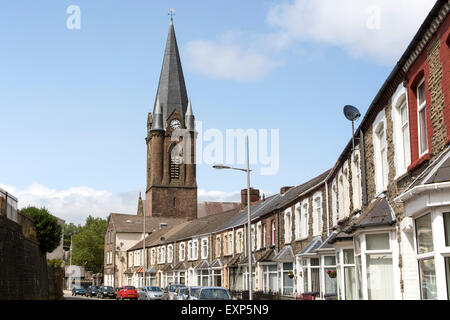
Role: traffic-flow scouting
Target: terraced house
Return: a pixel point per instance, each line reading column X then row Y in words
column 374, row 226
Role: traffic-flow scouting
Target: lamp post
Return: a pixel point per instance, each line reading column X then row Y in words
column 249, row 247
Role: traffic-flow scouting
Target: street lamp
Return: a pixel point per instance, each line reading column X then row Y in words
column 249, row 250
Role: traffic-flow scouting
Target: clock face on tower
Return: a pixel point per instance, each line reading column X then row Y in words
column 174, row 124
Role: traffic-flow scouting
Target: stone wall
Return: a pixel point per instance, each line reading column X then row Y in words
column 23, row 271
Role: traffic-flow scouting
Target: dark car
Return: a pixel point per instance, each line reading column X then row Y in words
column 78, row 291
column 92, row 291
column 212, row 293
column 106, row 292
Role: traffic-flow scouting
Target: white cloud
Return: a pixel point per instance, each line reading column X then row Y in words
column 226, row 58
column 378, row 30
column 76, row 203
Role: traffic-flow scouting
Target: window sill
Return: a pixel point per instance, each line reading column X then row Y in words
column 418, row 162
column 401, row 175
column 302, row 238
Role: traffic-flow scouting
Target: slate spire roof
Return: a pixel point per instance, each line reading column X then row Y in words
column 171, row 89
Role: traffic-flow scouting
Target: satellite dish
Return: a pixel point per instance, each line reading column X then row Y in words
column 351, row 112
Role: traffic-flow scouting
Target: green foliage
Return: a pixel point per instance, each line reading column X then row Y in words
column 54, row 263
column 47, row 228
column 88, row 244
column 69, row 230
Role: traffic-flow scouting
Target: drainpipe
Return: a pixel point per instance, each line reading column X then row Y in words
column 363, row 168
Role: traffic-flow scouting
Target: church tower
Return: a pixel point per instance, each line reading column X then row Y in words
column 171, row 176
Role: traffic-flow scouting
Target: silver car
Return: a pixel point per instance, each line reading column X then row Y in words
column 212, row 293
column 150, row 293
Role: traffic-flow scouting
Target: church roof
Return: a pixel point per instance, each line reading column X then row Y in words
column 171, row 89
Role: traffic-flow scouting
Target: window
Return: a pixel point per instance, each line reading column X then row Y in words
column 264, row 241
column 153, row 256
column 379, row 276
column 334, row 208
column 182, row 252
column 270, row 278
column 274, row 230
column 240, row 244
column 230, row 243
column 356, row 181
column 380, row 154
column 190, row 255
column 218, row 246
column 169, row 253
column 405, row 157
column 304, row 219
column 258, row 235
column 329, row 268
column 253, row 237
column 446, row 216
column 225, row 245
column 297, row 219
column 425, row 256
column 195, row 249
column 346, row 274
column 422, row 118
column 204, row 249
column 311, row 275
column 288, row 282
column 317, row 216
column 287, row 226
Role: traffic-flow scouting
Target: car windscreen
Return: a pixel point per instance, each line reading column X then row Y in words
column 194, row 291
column 130, row 288
column 158, row 289
column 213, row 294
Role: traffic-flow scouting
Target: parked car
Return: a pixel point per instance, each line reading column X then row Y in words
column 106, row 292
column 179, row 293
column 169, row 291
column 150, row 293
column 187, row 293
column 127, row 292
column 78, row 291
column 92, row 291
column 212, row 293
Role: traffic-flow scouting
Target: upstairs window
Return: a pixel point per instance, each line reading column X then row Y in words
column 274, row 230
column 182, row 252
column 258, row 235
column 204, row 249
column 264, row 243
column 380, row 152
column 169, row 254
column 287, row 226
column 304, row 219
column 297, row 219
column 422, row 118
column 405, row 158
column 317, row 216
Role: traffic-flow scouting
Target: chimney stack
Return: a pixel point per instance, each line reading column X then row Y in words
column 284, row 189
column 254, row 196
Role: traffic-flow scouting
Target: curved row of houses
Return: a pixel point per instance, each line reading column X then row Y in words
column 374, row 226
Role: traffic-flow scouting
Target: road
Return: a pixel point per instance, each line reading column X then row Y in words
column 68, row 296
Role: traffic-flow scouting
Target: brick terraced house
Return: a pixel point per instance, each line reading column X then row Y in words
column 374, row 226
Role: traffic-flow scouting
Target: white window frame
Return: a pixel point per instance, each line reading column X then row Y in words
column 334, row 202
column 182, row 251
column 287, row 226
column 253, row 237
column 204, row 246
column 402, row 151
column 304, row 222
column 153, row 256
column 297, row 219
column 356, row 180
column 317, row 214
column 273, row 232
column 381, row 163
column 195, row 249
column 169, row 253
column 258, row 235
column 421, row 107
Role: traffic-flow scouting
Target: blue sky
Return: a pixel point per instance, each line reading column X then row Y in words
column 74, row 103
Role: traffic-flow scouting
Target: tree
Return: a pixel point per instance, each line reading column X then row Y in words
column 88, row 244
column 47, row 228
column 69, row 230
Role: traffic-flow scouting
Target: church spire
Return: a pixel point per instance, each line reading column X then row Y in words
column 171, row 88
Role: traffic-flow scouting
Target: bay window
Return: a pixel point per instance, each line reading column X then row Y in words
column 425, row 256
column 345, row 261
column 375, row 276
column 330, row 275
column 203, row 277
column 288, row 280
column 311, row 275
column 270, row 278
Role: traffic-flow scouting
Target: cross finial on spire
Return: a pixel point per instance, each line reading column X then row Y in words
column 171, row 14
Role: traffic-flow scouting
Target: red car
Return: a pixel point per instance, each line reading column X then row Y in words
column 127, row 292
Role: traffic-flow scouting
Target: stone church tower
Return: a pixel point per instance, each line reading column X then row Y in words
column 171, row 174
